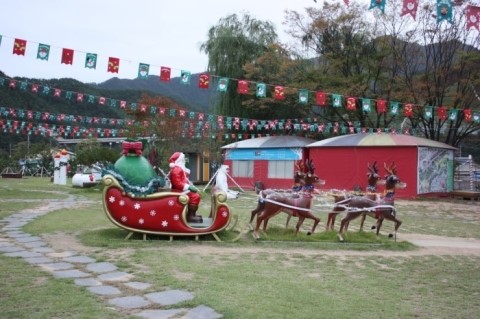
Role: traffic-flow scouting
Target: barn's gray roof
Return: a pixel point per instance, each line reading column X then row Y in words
column 374, row 139
column 271, row 142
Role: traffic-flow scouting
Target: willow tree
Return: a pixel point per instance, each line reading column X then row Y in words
column 232, row 43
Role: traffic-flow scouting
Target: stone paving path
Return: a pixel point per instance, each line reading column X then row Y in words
column 100, row 278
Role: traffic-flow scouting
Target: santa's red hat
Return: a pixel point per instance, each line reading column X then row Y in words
column 173, row 159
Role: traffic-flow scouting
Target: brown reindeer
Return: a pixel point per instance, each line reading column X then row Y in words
column 296, row 204
column 298, row 184
column 382, row 208
column 374, row 180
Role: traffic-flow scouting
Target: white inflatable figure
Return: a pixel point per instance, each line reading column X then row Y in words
column 62, row 179
column 222, row 184
column 56, row 168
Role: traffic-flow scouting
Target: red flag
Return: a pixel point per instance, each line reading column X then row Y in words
column 204, row 81
column 113, row 65
column 279, row 93
column 19, row 47
column 410, row 7
column 242, row 87
column 321, row 98
column 467, row 114
column 442, row 112
column 67, row 56
column 165, row 74
column 381, row 106
column 351, row 103
column 473, row 17
column 408, row 110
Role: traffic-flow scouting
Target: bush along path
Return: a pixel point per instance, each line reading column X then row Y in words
column 100, row 278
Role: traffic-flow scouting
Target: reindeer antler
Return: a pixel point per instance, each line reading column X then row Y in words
column 310, row 166
column 391, row 169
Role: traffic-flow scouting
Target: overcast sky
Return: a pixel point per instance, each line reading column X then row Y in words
column 155, row 32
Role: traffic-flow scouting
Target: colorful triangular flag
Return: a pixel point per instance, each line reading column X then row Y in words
column 444, row 11
column 410, row 7
column 261, row 90
column 242, row 87
column 336, row 100
column 279, row 92
column 204, row 81
column 165, row 74
column 378, row 4
column 303, row 96
column 185, row 77
column 222, row 85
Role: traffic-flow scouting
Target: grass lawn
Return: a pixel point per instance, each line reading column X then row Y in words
column 281, row 276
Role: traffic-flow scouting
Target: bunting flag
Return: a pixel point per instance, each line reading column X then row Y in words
column 467, row 115
column 473, row 17
column 336, row 100
column 222, row 85
column 442, row 113
column 91, row 61
column 185, row 77
column 261, row 90
column 347, row 2
column 19, row 47
column 381, row 106
column 428, row 114
column 410, row 7
column 444, row 11
column 366, row 105
column 113, row 65
column 408, row 110
column 242, row 87
column 143, row 71
column 452, row 114
column 351, row 101
column 165, row 74
column 43, row 52
column 380, row 4
column 476, row 117
column 279, row 93
column 204, row 81
column 303, row 96
column 394, row 108
column 67, row 56
column 321, row 99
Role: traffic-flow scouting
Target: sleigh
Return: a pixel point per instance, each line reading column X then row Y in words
column 161, row 213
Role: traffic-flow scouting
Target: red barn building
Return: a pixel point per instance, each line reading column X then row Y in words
column 425, row 165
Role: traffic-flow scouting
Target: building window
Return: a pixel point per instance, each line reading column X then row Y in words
column 280, row 169
column 242, row 168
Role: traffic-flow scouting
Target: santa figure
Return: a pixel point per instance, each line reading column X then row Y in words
column 180, row 183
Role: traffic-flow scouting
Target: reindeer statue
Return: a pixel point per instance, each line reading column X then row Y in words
column 382, row 208
column 374, row 180
column 298, row 184
column 294, row 204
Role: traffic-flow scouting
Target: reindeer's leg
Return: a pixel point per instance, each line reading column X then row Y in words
column 364, row 215
column 258, row 209
column 299, row 223
column 316, row 220
column 288, row 218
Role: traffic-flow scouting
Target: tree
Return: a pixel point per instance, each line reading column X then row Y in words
column 425, row 63
column 232, row 43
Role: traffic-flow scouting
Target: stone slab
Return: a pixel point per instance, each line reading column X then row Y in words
column 129, row 302
column 73, row 273
column 104, row 290
column 57, row 266
column 202, row 312
column 115, row 276
column 161, row 314
column 138, row 285
column 79, row 259
column 101, row 267
column 169, row 297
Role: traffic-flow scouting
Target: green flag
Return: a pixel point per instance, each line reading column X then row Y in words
column 43, row 51
column 444, row 11
column 366, row 105
column 143, row 71
column 185, row 77
column 303, row 96
column 222, row 85
column 428, row 112
column 394, row 108
column 336, row 100
column 91, row 61
column 378, row 4
column 261, row 90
